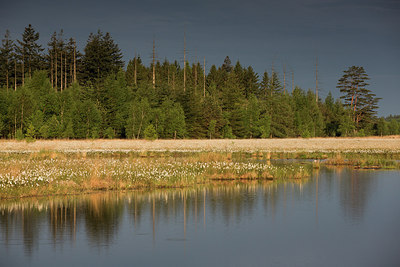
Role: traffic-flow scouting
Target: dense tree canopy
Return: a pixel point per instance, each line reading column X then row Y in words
column 62, row 93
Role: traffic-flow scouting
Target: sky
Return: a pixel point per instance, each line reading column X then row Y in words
column 288, row 34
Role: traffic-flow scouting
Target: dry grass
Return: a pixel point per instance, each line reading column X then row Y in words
column 366, row 144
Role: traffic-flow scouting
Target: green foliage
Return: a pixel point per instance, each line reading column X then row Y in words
column 108, row 102
column 357, row 97
column 102, row 57
column 2, row 126
column 227, row 132
column 211, row 128
column 30, row 133
column 109, row 133
column 150, row 132
column 19, row 135
column 69, row 131
column 346, row 127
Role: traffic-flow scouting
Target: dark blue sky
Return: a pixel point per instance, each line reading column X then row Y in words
column 287, row 33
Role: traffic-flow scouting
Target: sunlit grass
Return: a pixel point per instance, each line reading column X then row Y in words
column 58, row 173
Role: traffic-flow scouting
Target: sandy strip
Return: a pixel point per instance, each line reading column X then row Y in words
column 368, row 145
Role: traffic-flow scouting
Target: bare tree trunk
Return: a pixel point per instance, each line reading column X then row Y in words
column 74, row 61
column 23, row 70
column 29, row 67
column 173, row 80
column 15, row 75
column 204, row 77
column 71, row 75
column 154, row 64
column 316, row 80
column 51, row 70
column 61, row 70
column 56, row 66
column 195, row 74
column 22, row 113
column 292, row 81
column 184, row 61
column 7, row 75
column 65, row 71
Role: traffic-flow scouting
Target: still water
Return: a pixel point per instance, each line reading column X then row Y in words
column 338, row 217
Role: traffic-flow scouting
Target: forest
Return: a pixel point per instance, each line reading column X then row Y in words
column 59, row 92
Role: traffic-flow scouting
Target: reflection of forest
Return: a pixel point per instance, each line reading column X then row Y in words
column 100, row 216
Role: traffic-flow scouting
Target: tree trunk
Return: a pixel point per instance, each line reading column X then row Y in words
column 22, row 114
column 65, row 71
column 195, row 75
column 292, row 82
column 74, row 61
column 184, row 62
column 204, row 77
column 316, row 80
column 71, row 77
column 51, row 70
column 173, row 80
column 154, row 64
column 61, row 70
column 15, row 75
column 29, row 66
column 56, row 66
column 23, row 70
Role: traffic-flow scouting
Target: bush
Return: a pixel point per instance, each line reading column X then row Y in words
column 306, row 134
column 44, row 131
column 227, row 132
column 150, row 133
column 109, row 133
column 30, row 133
column 19, row 135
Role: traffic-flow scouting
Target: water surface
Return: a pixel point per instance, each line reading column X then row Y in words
column 339, row 217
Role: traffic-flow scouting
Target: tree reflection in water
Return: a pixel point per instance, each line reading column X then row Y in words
column 100, row 215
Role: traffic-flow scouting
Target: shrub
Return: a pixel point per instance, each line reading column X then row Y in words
column 150, row 133
column 19, row 135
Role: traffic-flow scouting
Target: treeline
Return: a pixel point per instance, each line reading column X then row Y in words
column 65, row 93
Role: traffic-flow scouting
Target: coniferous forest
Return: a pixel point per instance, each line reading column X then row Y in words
column 60, row 92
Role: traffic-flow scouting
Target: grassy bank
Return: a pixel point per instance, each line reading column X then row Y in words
column 50, row 173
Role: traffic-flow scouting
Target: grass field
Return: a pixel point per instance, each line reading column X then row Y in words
column 389, row 144
column 70, row 167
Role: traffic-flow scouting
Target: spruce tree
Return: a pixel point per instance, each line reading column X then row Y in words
column 102, row 57
column 29, row 51
column 6, row 60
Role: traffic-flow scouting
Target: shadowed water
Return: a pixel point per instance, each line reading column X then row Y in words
column 339, row 217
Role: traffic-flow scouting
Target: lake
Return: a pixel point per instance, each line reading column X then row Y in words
column 338, row 217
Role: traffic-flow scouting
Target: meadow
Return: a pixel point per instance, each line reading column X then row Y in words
column 66, row 167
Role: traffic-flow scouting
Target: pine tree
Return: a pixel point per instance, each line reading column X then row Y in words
column 360, row 100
